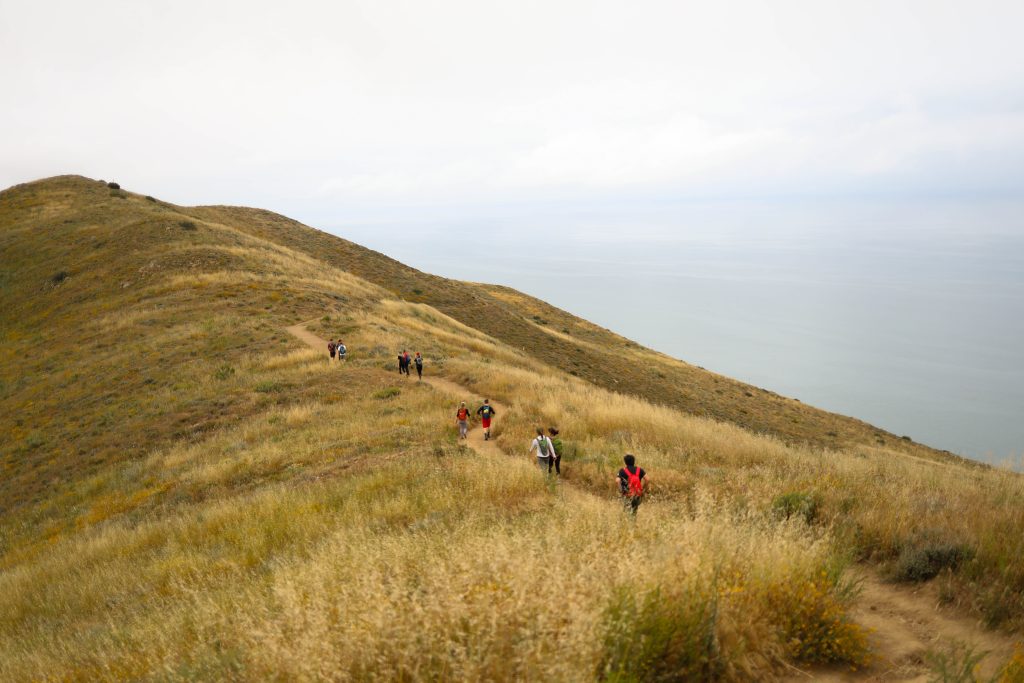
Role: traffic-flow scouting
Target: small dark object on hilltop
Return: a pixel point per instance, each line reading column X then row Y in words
column 113, row 186
column 150, row 199
column 59, row 277
column 187, row 225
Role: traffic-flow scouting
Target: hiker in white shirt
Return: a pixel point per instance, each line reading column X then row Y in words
column 545, row 449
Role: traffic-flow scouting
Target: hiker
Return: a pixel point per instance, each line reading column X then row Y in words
column 632, row 481
column 342, row 350
column 556, row 459
column 401, row 364
column 330, row 350
column 462, row 420
column 545, row 450
column 486, row 412
column 405, row 357
column 419, row 365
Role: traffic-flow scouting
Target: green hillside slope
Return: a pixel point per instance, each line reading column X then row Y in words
column 190, row 492
column 576, row 346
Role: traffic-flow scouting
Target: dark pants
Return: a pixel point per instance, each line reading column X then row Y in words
column 555, row 462
column 631, row 503
column 419, row 371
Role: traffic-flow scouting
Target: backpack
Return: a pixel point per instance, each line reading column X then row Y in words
column 342, row 349
column 419, row 362
column 463, row 413
column 635, row 486
column 544, row 448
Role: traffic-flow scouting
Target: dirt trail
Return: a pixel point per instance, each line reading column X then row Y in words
column 299, row 331
column 905, row 622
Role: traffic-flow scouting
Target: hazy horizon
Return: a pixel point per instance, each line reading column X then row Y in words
column 739, row 145
column 913, row 327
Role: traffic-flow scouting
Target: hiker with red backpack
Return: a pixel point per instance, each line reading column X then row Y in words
column 545, row 450
column 632, row 481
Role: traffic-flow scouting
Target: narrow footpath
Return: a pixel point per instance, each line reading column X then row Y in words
column 906, row 622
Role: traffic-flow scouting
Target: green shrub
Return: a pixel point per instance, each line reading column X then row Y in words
column 113, row 186
column 224, row 371
column 796, row 503
column 269, row 387
column 187, row 225
column 923, row 557
column 389, row 392
column 659, row 635
column 59, row 277
column 958, row 665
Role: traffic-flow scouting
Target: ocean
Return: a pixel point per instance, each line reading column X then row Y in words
column 906, row 314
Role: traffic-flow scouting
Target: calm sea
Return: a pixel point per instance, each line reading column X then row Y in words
column 907, row 315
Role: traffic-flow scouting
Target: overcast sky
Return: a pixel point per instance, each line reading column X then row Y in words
column 308, row 107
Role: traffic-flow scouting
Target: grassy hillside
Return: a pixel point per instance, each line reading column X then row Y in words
column 188, row 492
column 576, row 346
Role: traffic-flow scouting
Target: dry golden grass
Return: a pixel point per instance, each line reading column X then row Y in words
column 193, row 494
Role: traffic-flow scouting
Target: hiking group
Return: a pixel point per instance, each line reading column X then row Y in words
column 549, row 451
column 631, row 479
column 404, row 361
column 485, row 412
column 336, row 350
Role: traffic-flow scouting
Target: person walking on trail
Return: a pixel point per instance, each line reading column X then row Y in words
column 462, row 420
column 330, row 349
column 401, row 364
column 342, row 350
column 632, row 481
column 556, row 459
column 486, row 412
column 545, row 450
column 419, row 365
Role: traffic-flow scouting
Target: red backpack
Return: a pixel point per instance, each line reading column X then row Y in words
column 635, row 486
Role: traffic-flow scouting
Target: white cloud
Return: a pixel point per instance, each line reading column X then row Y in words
column 466, row 101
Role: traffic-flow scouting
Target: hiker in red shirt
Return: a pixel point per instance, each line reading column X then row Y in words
column 462, row 420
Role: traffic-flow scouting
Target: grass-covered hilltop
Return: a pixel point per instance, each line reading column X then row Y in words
column 190, row 491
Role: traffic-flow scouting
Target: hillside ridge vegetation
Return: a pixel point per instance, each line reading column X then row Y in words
column 190, row 492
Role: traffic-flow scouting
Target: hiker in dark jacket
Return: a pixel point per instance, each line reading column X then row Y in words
column 486, row 412
column 632, row 481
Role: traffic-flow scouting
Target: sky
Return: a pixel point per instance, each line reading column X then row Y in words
column 361, row 109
